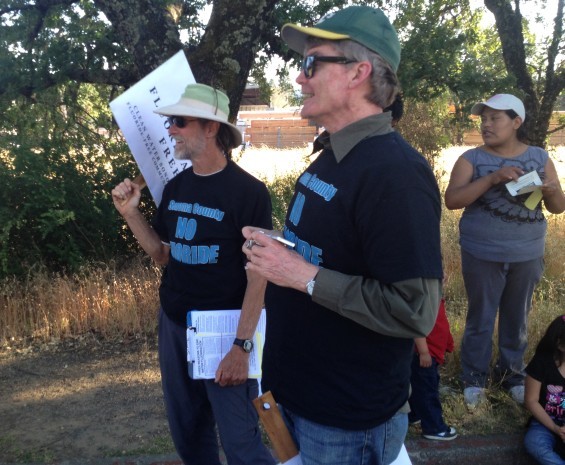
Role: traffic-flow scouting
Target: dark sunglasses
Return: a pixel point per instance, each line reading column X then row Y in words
column 180, row 121
column 309, row 63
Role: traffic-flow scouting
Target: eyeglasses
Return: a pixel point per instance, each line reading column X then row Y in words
column 180, row 121
column 309, row 62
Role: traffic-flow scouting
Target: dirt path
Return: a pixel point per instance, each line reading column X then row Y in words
column 80, row 399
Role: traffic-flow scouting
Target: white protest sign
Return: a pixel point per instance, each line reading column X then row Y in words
column 145, row 131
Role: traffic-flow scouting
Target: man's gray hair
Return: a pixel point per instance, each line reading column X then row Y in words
column 384, row 82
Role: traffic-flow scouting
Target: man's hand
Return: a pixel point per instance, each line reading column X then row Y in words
column 126, row 196
column 234, row 368
column 275, row 262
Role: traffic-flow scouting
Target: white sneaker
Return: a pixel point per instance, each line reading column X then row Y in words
column 517, row 393
column 474, row 396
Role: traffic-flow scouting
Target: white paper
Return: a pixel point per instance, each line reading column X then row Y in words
column 145, row 131
column 209, row 337
column 403, row 458
column 527, row 183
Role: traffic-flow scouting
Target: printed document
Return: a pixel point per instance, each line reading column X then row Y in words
column 209, row 337
column 527, row 183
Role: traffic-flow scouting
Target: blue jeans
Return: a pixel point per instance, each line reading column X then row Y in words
column 539, row 443
column 424, row 400
column 327, row 445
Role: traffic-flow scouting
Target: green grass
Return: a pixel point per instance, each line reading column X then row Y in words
column 160, row 445
column 34, row 455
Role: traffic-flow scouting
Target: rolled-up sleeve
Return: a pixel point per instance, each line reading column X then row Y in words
column 405, row 309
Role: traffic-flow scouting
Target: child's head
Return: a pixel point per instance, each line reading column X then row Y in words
column 553, row 341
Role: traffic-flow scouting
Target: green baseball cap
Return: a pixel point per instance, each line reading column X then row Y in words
column 363, row 24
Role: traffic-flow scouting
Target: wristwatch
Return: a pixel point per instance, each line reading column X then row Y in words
column 310, row 286
column 245, row 344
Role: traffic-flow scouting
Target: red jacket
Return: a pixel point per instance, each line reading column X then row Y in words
column 440, row 339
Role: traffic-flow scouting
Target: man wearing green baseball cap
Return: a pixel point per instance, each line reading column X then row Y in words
column 196, row 235
column 365, row 276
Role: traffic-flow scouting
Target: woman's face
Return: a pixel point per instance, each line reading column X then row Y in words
column 497, row 128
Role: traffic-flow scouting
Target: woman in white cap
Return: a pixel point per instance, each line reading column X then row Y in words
column 502, row 238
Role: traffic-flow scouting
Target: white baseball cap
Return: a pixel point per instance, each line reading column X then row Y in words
column 501, row 102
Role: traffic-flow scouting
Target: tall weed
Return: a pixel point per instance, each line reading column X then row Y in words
column 114, row 301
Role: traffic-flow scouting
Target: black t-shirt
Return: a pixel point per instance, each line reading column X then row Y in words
column 201, row 218
column 552, row 392
column 374, row 214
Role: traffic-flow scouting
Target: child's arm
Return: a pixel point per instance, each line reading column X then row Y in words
column 531, row 402
column 423, row 352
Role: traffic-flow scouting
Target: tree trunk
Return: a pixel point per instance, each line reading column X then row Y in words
column 227, row 50
column 539, row 107
column 224, row 56
column 144, row 28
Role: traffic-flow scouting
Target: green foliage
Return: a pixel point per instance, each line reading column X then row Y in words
column 423, row 126
column 62, row 61
column 57, row 167
column 445, row 52
column 41, row 48
column 281, row 189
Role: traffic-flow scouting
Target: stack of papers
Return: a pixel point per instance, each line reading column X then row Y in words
column 525, row 184
column 209, row 337
column 530, row 182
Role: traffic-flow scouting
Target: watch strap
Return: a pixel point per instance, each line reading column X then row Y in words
column 245, row 344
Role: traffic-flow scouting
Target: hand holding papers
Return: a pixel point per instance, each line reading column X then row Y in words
column 209, row 337
column 527, row 183
column 530, row 182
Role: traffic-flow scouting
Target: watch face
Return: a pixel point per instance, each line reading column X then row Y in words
column 248, row 345
column 310, row 287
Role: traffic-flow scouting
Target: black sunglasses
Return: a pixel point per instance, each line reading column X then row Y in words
column 180, row 121
column 309, row 62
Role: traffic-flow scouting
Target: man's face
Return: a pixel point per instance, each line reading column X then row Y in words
column 325, row 92
column 189, row 140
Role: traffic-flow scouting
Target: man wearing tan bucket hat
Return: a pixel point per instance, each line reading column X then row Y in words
column 196, row 235
column 365, row 276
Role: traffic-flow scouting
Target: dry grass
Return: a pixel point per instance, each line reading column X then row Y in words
column 113, row 302
column 102, row 300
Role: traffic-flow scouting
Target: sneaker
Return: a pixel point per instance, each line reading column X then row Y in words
column 448, row 435
column 517, row 393
column 474, row 396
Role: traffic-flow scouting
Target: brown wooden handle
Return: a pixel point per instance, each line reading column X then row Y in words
column 275, row 427
column 140, row 181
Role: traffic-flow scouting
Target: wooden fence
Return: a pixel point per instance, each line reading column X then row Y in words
column 286, row 130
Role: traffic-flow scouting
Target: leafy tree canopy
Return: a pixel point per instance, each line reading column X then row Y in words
column 62, row 61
